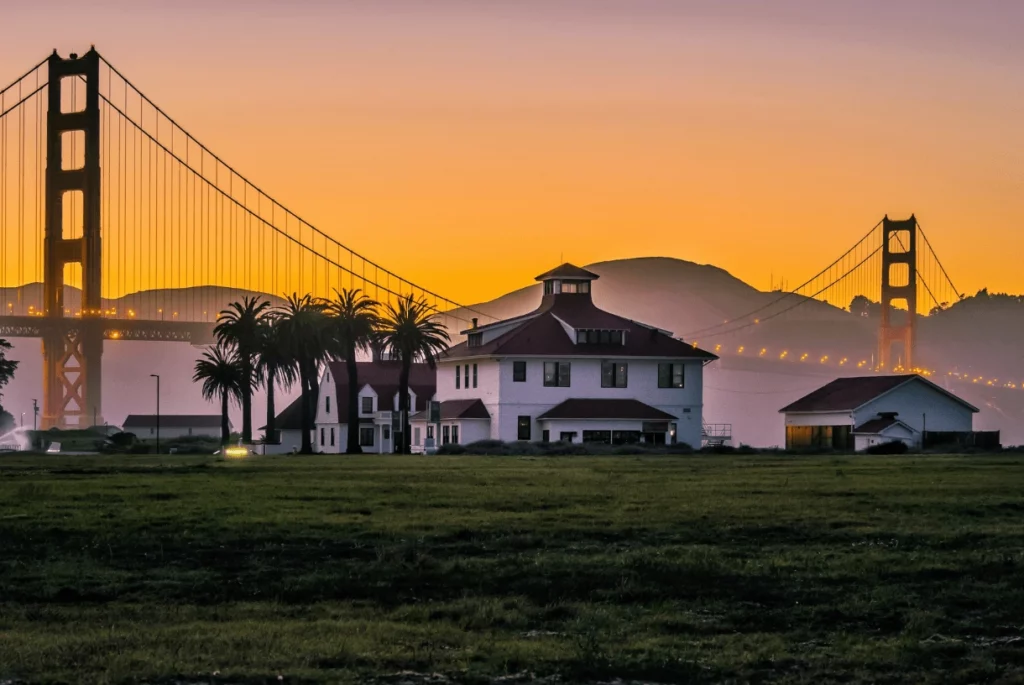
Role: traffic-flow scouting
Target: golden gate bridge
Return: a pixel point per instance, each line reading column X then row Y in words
column 116, row 223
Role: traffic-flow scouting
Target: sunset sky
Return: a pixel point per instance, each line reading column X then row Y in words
column 472, row 144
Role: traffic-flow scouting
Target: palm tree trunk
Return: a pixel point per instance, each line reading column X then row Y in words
column 403, row 404
column 247, row 401
column 353, row 403
column 307, row 409
column 271, row 435
column 225, row 432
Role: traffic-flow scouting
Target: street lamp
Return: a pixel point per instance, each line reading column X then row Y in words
column 35, row 413
column 157, row 377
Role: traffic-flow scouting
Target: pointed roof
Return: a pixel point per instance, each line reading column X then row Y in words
column 879, row 425
column 847, row 394
column 382, row 376
column 457, row 409
column 608, row 409
column 568, row 270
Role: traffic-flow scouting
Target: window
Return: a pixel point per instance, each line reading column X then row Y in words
column 387, row 432
column 670, row 376
column 591, row 336
column 475, row 339
column 445, row 434
column 322, row 441
column 416, row 435
column 518, row 372
column 367, row 405
column 524, row 427
column 581, row 336
column 474, row 375
column 455, row 434
column 565, row 436
column 327, row 400
column 613, row 374
column 556, row 374
column 430, row 432
column 545, row 436
column 366, row 437
column 604, row 437
column 466, row 374
column 458, row 376
column 332, row 437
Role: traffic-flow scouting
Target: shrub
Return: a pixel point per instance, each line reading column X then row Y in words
column 894, row 447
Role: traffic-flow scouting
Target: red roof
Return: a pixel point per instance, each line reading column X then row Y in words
column 605, row 409
column 876, row 426
column 382, row 376
column 847, row 394
column 457, row 409
column 541, row 333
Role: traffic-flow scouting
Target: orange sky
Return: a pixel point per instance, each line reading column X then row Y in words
column 473, row 145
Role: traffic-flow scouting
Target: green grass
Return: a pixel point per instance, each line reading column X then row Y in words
column 668, row 569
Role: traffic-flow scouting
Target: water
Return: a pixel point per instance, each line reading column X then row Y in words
column 16, row 439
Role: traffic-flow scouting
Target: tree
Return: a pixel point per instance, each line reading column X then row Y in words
column 274, row 364
column 222, row 376
column 303, row 329
column 408, row 331
column 238, row 326
column 353, row 323
column 7, row 369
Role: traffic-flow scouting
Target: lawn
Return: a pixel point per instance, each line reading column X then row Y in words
column 658, row 569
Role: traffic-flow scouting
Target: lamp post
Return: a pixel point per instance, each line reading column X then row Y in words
column 157, row 377
column 35, row 413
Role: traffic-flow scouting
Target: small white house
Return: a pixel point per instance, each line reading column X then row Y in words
column 289, row 428
column 858, row 412
column 378, row 399
column 572, row 372
column 144, row 426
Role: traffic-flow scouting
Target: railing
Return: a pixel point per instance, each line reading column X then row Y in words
column 716, row 433
column 13, row 447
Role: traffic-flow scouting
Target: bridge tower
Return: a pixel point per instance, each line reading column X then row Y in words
column 899, row 285
column 72, row 351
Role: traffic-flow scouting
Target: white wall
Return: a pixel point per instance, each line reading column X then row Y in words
column 917, row 404
column 893, row 433
column 507, row 400
column 557, row 427
column 171, row 433
column 291, row 440
column 825, row 418
column 327, row 390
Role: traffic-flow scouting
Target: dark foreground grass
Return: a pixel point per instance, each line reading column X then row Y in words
column 669, row 569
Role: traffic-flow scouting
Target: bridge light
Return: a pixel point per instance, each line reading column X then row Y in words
column 740, row 351
column 115, row 335
column 763, row 350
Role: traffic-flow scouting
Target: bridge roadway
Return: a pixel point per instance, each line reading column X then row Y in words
column 196, row 333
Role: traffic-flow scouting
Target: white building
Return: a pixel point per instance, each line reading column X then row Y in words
column 378, row 398
column 144, row 426
column 570, row 371
column 856, row 413
column 289, row 428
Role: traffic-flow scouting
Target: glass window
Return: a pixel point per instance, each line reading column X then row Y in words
column 322, row 441
column 332, row 437
column 387, row 432
column 416, row 435
column 565, row 436
column 563, row 374
column 328, row 401
column 550, row 374
column 613, row 374
column 606, row 337
column 445, row 434
column 458, row 376
column 474, row 375
column 545, row 436
column 455, row 434
column 524, row 427
column 569, row 287
column 467, row 376
column 475, row 339
column 367, row 405
column 583, row 287
column 616, row 338
column 556, row 287
column 671, row 376
column 518, row 372
column 430, row 432
column 581, row 337
column 366, row 437
column 598, row 436
column 548, row 288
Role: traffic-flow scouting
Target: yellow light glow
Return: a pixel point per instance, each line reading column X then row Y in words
column 115, row 335
column 236, row 452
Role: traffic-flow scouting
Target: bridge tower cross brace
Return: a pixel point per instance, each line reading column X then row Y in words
column 899, row 248
column 72, row 350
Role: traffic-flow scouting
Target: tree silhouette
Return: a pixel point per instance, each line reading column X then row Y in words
column 353, row 322
column 303, row 330
column 239, row 326
column 273, row 365
column 222, row 377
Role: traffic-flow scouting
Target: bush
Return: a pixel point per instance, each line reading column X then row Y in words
column 492, row 448
column 894, row 447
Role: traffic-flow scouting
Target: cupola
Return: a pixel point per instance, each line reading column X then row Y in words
column 567, row 279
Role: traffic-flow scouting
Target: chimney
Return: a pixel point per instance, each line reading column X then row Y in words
column 474, row 322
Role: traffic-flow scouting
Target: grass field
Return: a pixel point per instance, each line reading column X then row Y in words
column 669, row 569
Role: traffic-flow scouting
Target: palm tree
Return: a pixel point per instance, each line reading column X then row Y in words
column 302, row 327
column 274, row 364
column 221, row 374
column 352, row 328
column 239, row 326
column 409, row 331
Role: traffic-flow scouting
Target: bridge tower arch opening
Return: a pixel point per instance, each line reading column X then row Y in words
column 899, row 287
column 73, row 351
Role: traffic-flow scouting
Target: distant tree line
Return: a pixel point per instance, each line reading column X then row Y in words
column 7, row 369
column 262, row 346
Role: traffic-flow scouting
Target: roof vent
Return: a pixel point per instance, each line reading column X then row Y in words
column 887, row 414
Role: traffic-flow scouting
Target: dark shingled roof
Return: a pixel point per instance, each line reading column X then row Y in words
column 568, row 270
column 382, row 376
column 847, row 394
column 605, row 409
column 457, row 409
column 876, row 426
column 173, row 421
column 290, row 418
column 541, row 333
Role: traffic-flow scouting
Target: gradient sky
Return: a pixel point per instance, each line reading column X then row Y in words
column 472, row 144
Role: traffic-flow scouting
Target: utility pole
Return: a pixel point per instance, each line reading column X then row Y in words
column 157, row 377
column 35, row 413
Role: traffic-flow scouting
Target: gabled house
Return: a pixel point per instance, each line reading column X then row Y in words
column 573, row 372
column 144, row 426
column 289, row 427
column 378, row 398
column 855, row 413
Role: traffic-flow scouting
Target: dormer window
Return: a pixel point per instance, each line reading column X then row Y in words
column 475, row 339
column 599, row 336
column 559, row 286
